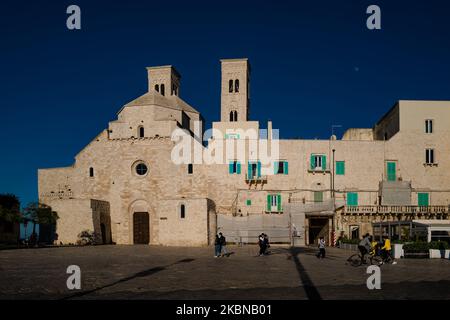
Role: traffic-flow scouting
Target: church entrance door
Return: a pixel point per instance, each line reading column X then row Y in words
column 141, row 228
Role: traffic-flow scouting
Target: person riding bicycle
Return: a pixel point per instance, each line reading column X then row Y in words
column 386, row 248
column 373, row 247
column 364, row 246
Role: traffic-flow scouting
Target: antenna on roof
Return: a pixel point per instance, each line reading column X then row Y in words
column 334, row 126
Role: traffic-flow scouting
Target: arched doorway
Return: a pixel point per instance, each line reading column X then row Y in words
column 141, row 228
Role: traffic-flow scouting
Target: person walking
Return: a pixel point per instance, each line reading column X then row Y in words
column 266, row 243
column 386, row 248
column 217, row 247
column 223, row 245
column 262, row 244
column 321, row 253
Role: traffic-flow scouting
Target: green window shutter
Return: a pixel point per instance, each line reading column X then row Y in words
column 279, row 202
column 249, row 202
column 259, row 168
column 391, row 171
column 312, row 162
column 238, row 168
column 318, row 196
column 230, row 168
column 352, row 199
column 423, row 199
column 286, row 167
column 340, row 167
column 275, row 167
column 269, row 202
column 249, row 170
column 324, row 162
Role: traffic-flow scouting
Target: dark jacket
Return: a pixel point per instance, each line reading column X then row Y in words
column 222, row 241
column 217, row 241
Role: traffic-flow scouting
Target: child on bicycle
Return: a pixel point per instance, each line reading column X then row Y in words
column 373, row 247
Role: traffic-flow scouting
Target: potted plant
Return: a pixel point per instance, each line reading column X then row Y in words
column 439, row 249
column 397, row 247
column 418, row 249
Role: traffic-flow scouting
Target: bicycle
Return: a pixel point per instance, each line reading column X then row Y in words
column 357, row 260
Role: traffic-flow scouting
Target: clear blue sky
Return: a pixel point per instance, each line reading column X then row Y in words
column 314, row 64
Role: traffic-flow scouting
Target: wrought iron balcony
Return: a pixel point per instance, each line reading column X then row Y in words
column 255, row 178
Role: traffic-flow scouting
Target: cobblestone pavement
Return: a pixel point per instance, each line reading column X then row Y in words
column 150, row 272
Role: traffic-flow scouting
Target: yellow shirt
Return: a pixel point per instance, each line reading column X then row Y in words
column 373, row 245
column 387, row 244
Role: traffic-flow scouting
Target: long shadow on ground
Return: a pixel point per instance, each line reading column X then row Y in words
column 308, row 285
column 141, row 274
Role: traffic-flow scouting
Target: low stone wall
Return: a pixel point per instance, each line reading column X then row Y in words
column 348, row 246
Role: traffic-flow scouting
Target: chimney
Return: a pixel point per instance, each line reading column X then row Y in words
column 269, row 130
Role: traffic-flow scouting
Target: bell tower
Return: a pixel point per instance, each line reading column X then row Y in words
column 235, row 94
column 164, row 79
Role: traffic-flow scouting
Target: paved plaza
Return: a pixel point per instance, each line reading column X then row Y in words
column 153, row 272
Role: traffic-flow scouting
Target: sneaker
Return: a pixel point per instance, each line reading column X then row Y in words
column 395, row 262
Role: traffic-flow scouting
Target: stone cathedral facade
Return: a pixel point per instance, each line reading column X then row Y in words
column 124, row 185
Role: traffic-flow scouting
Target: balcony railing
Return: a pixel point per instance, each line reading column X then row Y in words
column 396, row 209
column 252, row 178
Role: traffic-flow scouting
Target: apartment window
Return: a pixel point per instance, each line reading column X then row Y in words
column 190, row 168
column 162, row 89
column 274, row 203
column 318, row 162
column 230, row 86
column 428, row 126
column 236, row 85
column 235, row 116
column 318, row 196
column 91, row 172
column 182, row 211
column 352, row 199
column 429, row 156
column 234, row 167
column 281, row 167
column 254, row 169
column 340, row 168
column 157, row 87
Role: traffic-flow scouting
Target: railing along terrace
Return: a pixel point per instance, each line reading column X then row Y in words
column 396, row 209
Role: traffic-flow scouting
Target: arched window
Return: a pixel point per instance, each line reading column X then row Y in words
column 182, row 211
column 233, row 116
column 162, row 89
column 141, row 132
column 230, row 86
column 157, row 87
column 236, row 85
column 91, row 172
